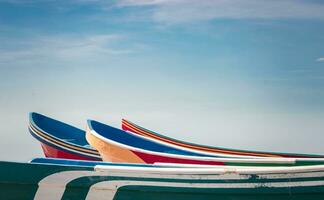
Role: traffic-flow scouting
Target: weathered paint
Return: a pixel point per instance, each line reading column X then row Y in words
column 56, row 182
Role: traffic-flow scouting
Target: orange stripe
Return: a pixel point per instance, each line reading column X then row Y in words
column 110, row 152
column 140, row 131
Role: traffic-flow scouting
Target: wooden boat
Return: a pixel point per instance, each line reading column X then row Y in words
column 115, row 145
column 41, row 180
column 207, row 150
column 60, row 140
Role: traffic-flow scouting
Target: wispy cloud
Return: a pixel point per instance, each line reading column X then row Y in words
column 24, row 1
column 64, row 48
column 184, row 11
column 44, row 1
column 144, row 2
column 320, row 59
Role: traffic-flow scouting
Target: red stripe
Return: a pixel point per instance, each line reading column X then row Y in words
column 150, row 159
column 51, row 152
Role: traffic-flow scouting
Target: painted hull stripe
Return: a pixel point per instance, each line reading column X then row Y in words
column 53, row 186
column 61, row 143
column 63, row 148
column 49, row 137
column 204, row 153
column 138, row 130
column 142, row 131
column 108, row 189
column 227, row 161
column 230, row 176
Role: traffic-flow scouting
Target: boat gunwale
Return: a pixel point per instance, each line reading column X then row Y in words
column 271, row 154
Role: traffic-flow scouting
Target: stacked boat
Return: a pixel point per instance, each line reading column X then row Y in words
column 103, row 162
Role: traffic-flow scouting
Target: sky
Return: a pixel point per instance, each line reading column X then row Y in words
column 245, row 74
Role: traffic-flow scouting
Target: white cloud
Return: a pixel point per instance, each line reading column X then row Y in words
column 184, row 11
column 320, row 59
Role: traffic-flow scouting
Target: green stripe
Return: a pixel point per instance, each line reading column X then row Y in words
column 78, row 189
column 162, row 193
column 20, row 180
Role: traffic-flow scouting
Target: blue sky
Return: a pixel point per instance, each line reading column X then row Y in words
column 235, row 73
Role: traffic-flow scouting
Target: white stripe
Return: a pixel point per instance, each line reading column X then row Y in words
column 52, row 187
column 207, row 175
column 225, row 176
column 184, row 165
column 107, row 189
column 215, row 170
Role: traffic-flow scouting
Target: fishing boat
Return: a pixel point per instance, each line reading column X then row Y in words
column 115, row 145
column 60, row 140
column 202, row 149
column 56, row 180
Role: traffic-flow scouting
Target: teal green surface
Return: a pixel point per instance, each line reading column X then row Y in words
column 19, row 181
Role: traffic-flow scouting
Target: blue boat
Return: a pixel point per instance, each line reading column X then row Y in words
column 60, row 140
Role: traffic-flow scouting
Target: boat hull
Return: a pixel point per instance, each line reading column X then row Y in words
column 115, row 145
column 52, row 152
column 53, row 148
column 112, row 151
column 56, row 182
column 212, row 151
column 56, row 147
